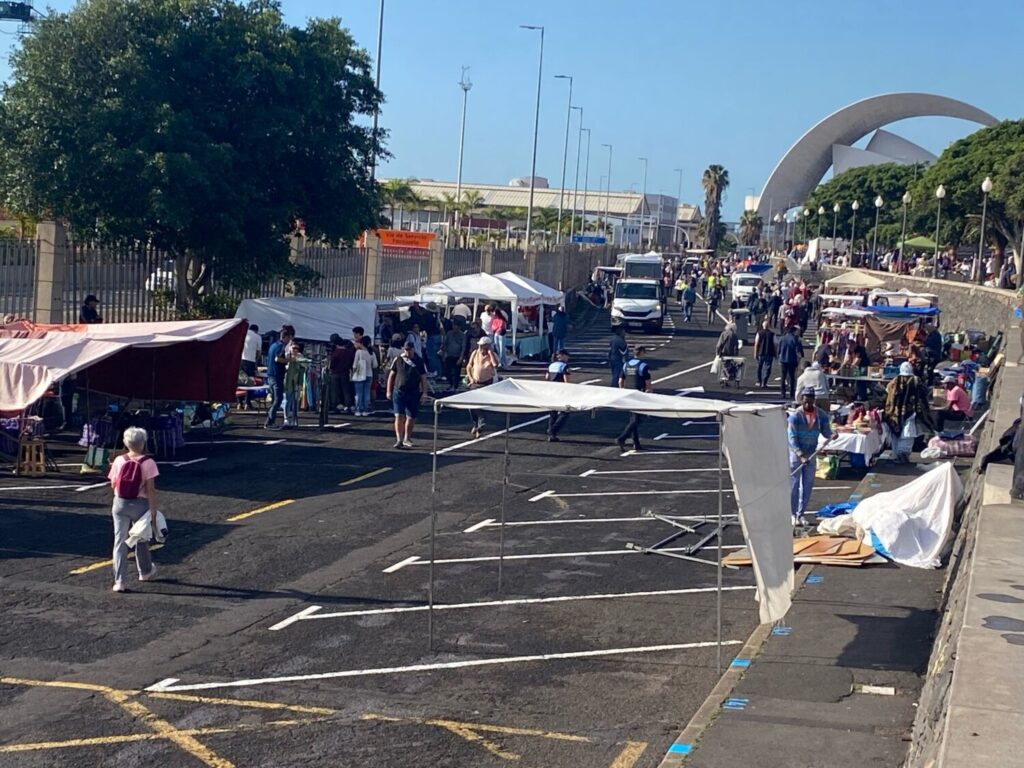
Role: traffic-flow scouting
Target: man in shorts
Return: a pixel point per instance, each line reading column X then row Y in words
column 407, row 385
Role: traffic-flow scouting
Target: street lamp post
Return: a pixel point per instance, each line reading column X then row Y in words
column 465, row 85
column 903, row 236
column 835, row 221
column 986, row 187
column 940, row 192
column 853, row 234
column 576, row 183
column 586, row 183
column 821, row 211
column 643, row 201
column 879, row 202
column 376, row 81
column 565, row 156
column 536, row 131
column 807, row 213
column 679, row 200
column 775, row 234
column 608, row 193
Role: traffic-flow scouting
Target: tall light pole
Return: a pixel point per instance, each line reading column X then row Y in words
column 879, row 202
column 565, row 156
column 536, row 130
column 465, row 85
column 679, row 200
column 940, row 192
column 376, row 80
column 807, row 213
column 853, row 234
column 608, row 194
column 903, row 236
column 986, row 187
column 643, row 201
column 821, row 212
column 576, row 183
column 835, row 220
column 586, row 183
column 778, row 220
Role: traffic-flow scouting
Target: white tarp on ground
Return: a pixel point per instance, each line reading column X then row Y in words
column 913, row 522
column 854, row 280
column 754, row 438
column 314, row 319
column 545, row 293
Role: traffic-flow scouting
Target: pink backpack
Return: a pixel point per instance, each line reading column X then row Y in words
column 129, row 481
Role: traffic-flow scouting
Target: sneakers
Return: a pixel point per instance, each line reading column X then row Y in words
column 553, row 439
column 119, row 587
column 407, row 443
column 151, row 576
column 275, row 427
column 398, row 444
column 622, row 445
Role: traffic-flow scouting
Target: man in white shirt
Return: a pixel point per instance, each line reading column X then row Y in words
column 485, row 321
column 463, row 310
column 251, row 350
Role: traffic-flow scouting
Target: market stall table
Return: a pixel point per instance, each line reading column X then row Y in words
column 528, row 346
column 867, row 444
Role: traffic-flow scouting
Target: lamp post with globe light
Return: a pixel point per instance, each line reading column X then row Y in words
column 807, row 212
column 775, row 235
column 853, row 234
column 986, row 187
column 835, row 221
column 879, row 202
column 940, row 192
column 821, row 210
column 903, row 236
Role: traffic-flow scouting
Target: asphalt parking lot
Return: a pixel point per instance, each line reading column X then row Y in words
column 288, row 627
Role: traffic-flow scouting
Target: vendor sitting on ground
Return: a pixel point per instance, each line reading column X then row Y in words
column 958, row 404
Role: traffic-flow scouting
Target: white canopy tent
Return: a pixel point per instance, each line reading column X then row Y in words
column 313, row 319
column 854, row 280
column 545, row 293
column 751, row 436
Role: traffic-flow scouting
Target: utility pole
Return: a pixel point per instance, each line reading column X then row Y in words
column 465, row 85
column 376, row 109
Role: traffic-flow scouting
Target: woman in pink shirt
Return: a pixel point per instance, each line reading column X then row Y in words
column 958, row 404
column 132, row 476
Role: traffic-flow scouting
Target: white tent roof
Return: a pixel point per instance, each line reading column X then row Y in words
column 314, row 319
column 855, row 279
column 158, row 334
column 479, row 286
column 545, row 293
column 526, row 396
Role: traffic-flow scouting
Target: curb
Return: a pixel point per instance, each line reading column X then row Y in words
column 708, row 711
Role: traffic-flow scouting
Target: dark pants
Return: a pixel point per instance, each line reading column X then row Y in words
column 342, row 392
column 451, row 371
column 948, row 414
column 764, row 370
column 711, row 313
column 276, row 396
column 632, row 430
column 788, row 377
column 556, row 420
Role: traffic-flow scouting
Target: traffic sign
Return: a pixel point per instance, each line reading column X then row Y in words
column 589, row 239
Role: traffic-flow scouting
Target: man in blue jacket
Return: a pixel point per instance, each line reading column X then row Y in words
column 559, row 329
column 805, row 426
column 791, row 352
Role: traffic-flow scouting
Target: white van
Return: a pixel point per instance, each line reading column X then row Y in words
column 744, row 284
column 638, row 304
column 642, row 265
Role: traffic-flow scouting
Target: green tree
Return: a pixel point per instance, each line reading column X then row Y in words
column 203, row 127
column 714, row 181
column 751, row 225
column 395, row 194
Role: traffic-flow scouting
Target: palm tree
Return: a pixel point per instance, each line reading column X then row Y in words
column 715, row 181
column 393, row 192
column 750, row 228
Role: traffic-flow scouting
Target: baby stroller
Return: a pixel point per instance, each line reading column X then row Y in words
column 731, row 371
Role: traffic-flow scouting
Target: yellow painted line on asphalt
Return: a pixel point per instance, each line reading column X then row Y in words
column 250, row 703
column 367, row 476
column 105, row 563
column 629, row 755
column 485, row 727
column 260, row 510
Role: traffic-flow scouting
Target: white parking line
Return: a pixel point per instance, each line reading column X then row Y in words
column 591, row 472
column 168, row 685
column 682, row 373
column 313, row 611
column 666, row 453
column 553, row 495
column 569, row 521
column 667, row 436
column 536, row 556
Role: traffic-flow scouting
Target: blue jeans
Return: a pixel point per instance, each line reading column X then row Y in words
column 291, row 407
column 433, row 347
column 362, row 396
column 559, row 343
column 276, row 395
column 764, row 370
column 617, row 367
column 688, row 311
column 801, row 483
column 499, row 349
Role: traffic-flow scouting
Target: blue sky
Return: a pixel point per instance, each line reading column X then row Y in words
column 682, row 82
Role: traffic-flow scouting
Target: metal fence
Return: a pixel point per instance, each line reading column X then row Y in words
column 341, row 272
column 402, row 272
column 460, row 261
column 133, row 284
column 509, row 261
column 17, row 277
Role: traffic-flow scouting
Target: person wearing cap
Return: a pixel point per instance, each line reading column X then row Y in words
column 558, row 370
column 481, row 371
column 638, row 373
column 89, row 313
column 958, row 403
column 406, row 387
column 814, row 378
column 906, row 411
column 805, row 426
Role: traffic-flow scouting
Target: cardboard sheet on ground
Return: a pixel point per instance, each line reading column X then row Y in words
column 822, row 550
column 913, row 522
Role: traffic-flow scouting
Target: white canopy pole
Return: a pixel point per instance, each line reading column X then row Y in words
column 504, row 487
column 515, row 322
column 433, row 531
column 718, row 583
column 542, row 327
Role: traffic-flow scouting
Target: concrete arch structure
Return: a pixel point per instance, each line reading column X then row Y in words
column 804, row 165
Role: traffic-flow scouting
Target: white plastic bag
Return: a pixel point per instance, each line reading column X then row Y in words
column 142, row 530
column 716, row 365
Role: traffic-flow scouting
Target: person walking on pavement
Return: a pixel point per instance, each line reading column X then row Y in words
column 482, row 371
column 276, row 361
column 791, row 352
column 764, row 353
column 638, row 375
column 406, row 387
column 714, row 299
column 689, row 298
column 557, row 371
column 618, row 351
column 559, row 328
column 805, row 426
